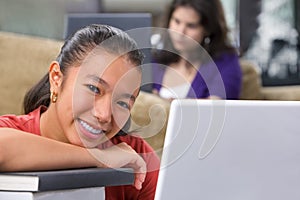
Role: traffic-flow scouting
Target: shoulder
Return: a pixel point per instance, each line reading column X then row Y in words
column 228, row 62
column 227, row 58
column 15, row 121
column 28, row 123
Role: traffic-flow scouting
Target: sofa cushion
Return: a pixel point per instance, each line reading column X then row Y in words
column 149, row 119
column 251, row 81
column 24, row 60
column 282, row 93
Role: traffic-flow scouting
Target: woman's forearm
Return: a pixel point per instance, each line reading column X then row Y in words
column 20, row 151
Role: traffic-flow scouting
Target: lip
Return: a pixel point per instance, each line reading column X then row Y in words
column 89, row 130
column 180, row 41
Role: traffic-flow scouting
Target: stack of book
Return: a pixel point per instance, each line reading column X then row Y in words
column 86, row 183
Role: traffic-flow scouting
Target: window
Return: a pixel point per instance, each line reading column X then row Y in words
column 275, row 46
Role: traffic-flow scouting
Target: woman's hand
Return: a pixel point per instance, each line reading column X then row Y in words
column 20, row 151
column 122, row 155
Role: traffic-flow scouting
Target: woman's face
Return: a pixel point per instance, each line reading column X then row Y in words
column 184, row 25
column 96, row 98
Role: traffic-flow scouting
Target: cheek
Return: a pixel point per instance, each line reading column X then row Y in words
column 64, row 103
column 172, row 25
column 120, row 117
column 174, row 36
column 82, row 102
column 197, row 35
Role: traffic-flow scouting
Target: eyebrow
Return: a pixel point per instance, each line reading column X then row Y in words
column 129, row 96
column 98, row 80
column 189, row 24
column 103, row 82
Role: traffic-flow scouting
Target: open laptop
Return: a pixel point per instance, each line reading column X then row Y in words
column 137, row 25
column 231, row 150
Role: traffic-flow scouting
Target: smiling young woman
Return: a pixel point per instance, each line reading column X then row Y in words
column 77, row 115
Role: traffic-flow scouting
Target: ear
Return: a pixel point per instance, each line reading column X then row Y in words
column 206, row 33
column 55, row 76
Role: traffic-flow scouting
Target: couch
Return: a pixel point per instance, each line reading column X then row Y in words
column 25, row 59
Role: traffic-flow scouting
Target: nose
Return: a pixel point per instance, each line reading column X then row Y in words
column 181, row 28
column 102, row 109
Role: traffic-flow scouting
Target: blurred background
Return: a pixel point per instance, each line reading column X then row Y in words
column 264, row 31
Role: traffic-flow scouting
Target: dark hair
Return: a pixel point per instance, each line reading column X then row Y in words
column 73, row 52
column 212, row 18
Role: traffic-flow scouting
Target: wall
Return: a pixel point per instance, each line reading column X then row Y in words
column 46, row 17
column 43, row 18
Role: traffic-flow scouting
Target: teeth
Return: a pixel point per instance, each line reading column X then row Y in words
column 89, row 128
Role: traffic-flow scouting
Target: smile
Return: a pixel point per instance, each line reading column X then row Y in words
column 90, row 129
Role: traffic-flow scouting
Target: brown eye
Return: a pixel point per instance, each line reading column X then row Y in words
column 177, row 21
column 193, row 25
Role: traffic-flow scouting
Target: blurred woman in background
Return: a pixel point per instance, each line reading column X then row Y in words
column 194, row 58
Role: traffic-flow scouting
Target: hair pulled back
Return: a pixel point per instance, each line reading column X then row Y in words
column 74, row 51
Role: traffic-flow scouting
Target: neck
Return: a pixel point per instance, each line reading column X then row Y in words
column 189, row 64
column 50, row 127
column 192, row 57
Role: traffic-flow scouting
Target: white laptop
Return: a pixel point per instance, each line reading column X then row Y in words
column 231, row 150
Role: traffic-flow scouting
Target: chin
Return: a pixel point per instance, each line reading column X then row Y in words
column 89, row 144
column 182, row 49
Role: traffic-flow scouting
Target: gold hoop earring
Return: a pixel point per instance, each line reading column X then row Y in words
column 53, row 97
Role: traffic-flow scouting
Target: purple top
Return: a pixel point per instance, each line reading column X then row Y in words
column 222, row 78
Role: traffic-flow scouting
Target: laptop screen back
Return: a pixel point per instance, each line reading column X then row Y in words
column 231, row 150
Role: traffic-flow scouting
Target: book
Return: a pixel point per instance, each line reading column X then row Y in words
column 65, row 179
column 94, row 193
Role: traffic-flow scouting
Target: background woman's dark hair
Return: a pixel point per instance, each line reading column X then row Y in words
column 75, row 50
column 212, row 18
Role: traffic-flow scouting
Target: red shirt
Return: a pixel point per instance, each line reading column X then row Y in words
column 31, row 123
